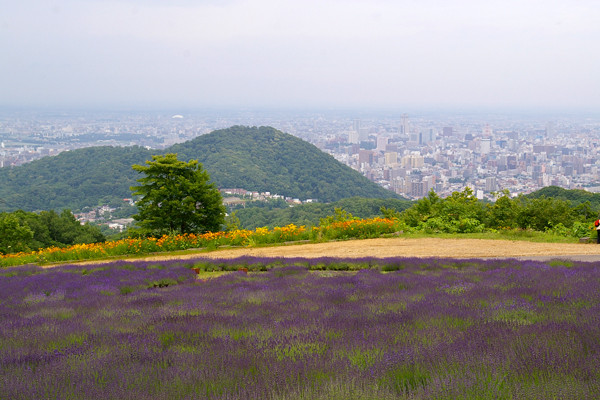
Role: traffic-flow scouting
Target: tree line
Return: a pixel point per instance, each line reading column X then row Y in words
column 462, row 212
column 275, row 213
column 22, row 231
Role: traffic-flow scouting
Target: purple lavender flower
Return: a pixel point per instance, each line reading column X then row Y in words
column 301, row 328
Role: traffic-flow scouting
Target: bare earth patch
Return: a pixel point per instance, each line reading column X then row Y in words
column 403, row 247
column 397, row 247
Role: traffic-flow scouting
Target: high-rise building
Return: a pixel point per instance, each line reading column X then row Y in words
column 550, row 130
column 511, row 162
column 391, row 147
column 382, row 141
column 426, row 137
column 353, row 137
column 404, row 129
column 487, row 131
column 365, row 157
column 491, row 184
column 363, row 134
column 391, row 158
column 354, row 148
column 485, row 145
column 412, row 161
column 419, row 189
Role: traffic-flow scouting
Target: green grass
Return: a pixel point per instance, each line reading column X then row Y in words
column 520, row 235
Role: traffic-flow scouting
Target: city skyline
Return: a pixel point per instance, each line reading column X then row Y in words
column 408, row 154
column 510, row 55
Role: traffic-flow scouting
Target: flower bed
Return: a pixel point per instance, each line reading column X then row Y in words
column 211, row 240
column 297, row 329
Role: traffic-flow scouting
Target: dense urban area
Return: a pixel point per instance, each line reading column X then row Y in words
column 410, row 154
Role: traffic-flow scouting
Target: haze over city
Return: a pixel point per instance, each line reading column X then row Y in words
column 511, row 55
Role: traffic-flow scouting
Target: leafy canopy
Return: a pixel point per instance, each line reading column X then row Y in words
column 14, row 236
column 460, row 212
column 177, row 197
column 463, row 213
column 27, row 231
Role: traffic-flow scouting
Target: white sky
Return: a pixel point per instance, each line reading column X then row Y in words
column 301, row 53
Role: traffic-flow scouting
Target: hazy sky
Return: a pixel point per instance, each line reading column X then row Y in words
column 301, row 53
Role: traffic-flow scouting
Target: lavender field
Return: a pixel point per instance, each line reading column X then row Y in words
column 302, row 329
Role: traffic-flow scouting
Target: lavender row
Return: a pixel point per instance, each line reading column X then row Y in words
column 428, row 328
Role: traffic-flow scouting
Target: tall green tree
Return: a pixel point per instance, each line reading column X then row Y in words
column 460, row 212
column 544, row 212
column 503, row 212
column 14, row 236
column 177, row 197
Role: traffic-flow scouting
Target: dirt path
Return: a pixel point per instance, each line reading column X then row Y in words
column 399, row 247
column 429, row 247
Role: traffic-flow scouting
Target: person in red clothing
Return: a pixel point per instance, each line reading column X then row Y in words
column 597, row 225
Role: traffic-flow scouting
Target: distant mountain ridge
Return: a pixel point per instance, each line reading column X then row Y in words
column 253, row 158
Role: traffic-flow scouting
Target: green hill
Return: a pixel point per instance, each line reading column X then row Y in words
column 260, row 159
column 73, row 179
column 575, row 196
column 265, row 159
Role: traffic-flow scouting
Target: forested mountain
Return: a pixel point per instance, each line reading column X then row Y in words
column 73, row 179
column 265, row 159
column 261, row 159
